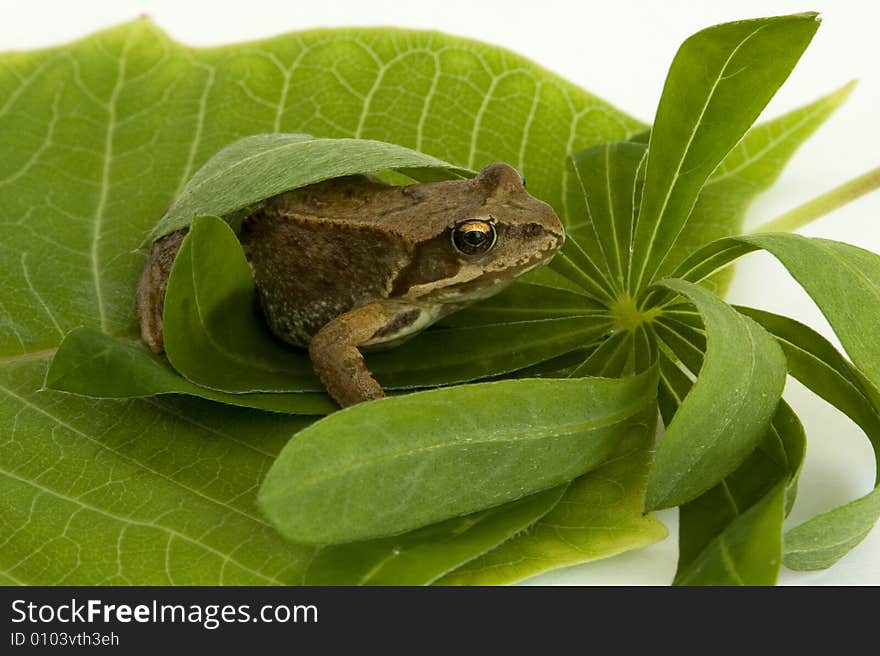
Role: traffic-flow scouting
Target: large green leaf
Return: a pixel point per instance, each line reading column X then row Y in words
column 98, row 138
column 363, row 472
column 728, row 409
column 599, row 516
column 719, row 82
column 134, row 492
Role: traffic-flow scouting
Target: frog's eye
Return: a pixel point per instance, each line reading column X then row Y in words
column 473, row 237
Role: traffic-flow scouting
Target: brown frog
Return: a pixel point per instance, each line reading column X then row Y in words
column 355, row 263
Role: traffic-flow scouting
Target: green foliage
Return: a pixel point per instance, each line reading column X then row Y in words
column 485, row 483
column 728, row 409
column 392, row 465
column 90, row 363
column 99, row 137
column 599, row 516
column 249, row 170
column 423, row 556
column 720, row 80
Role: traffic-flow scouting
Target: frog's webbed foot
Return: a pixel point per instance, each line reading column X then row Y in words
column 337, row 360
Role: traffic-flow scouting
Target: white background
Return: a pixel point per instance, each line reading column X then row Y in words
column 620, row 50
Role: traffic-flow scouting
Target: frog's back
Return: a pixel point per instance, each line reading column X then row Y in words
column 309, row 269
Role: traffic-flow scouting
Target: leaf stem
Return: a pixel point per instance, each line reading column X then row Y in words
column 824, row 204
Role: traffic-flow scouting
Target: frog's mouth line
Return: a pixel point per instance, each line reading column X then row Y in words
column 492, row 281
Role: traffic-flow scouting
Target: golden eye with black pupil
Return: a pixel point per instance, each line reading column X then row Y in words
column 473, row 236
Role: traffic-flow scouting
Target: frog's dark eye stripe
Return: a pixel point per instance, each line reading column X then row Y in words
column 473, row 236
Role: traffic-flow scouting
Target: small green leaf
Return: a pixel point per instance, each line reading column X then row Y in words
column 90, row 363
column 728, row 409
column 599, row 516
column 823, row 540
column 608, row 174
column 213, row 334
column 397, row 464
column 747, row 552
column 719, row 82
column 252, row 169
column 457, row 355
column 422, row 556
column 713, row 518
column 523, row 301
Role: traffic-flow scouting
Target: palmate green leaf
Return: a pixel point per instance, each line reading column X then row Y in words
column 750, row 168
column 252, row 169
column 361, row 473
column 98, row 138
column 215, row 338
column 719, row 82
column 728, row 409
column 91, row 363
column 422, row 556
column 821, row 541
column 599, row 516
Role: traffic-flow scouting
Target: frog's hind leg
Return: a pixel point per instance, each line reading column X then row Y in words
column 337, row 360
column 152, row 286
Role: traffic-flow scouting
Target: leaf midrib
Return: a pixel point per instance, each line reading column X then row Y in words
column 500, row 437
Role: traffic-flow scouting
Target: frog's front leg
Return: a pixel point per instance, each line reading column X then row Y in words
column 337, row 360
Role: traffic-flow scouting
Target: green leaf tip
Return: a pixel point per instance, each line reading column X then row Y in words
column 719, row 82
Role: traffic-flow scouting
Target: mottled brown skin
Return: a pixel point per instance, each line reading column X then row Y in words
column 354, row 263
